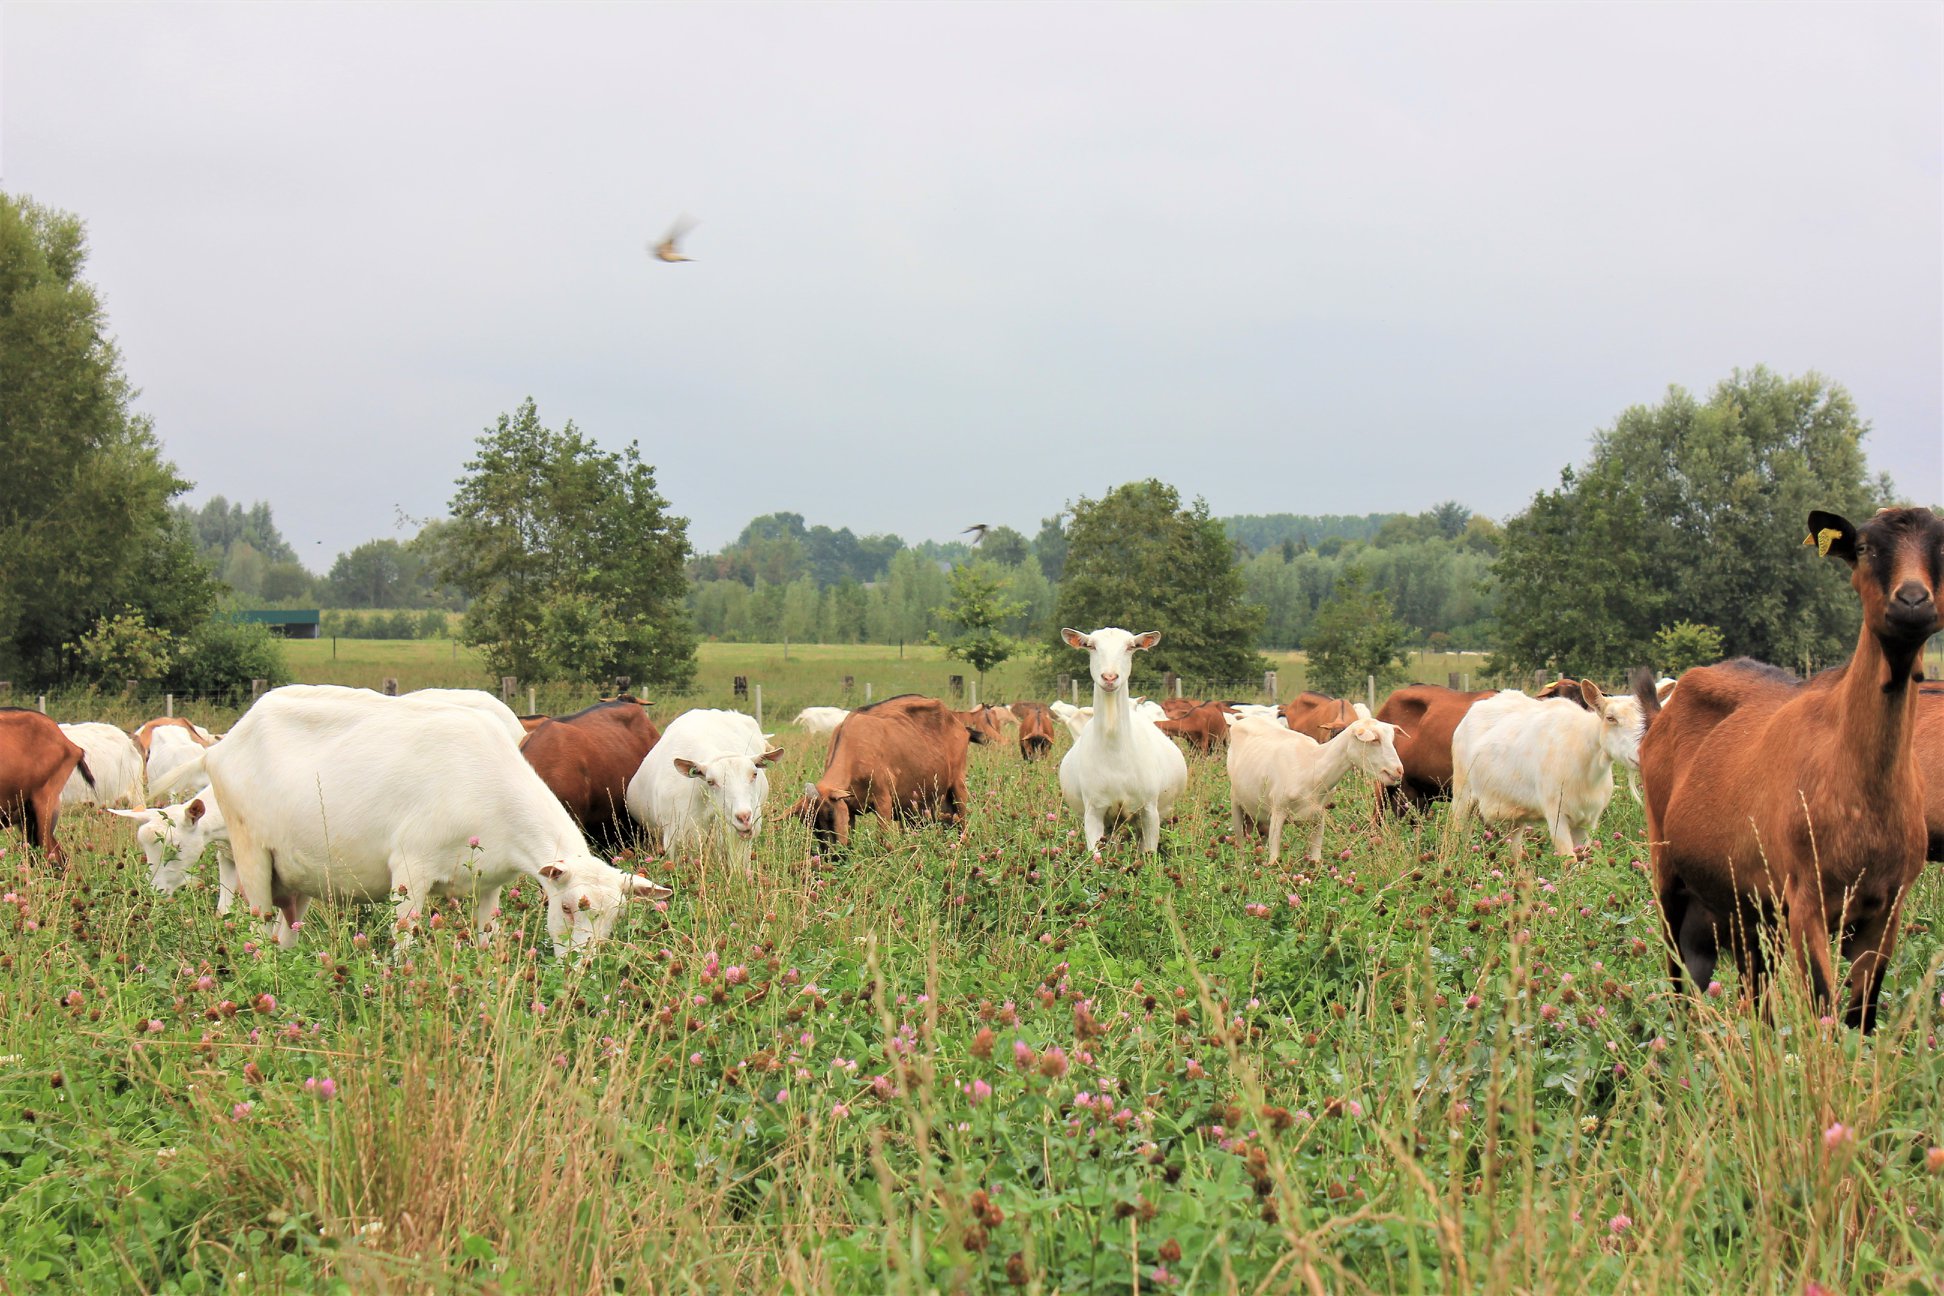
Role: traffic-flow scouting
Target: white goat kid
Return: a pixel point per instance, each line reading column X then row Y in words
column 1120, row 766
column 1276, row 775
column 1519, row 761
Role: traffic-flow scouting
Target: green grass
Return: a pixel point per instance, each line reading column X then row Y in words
column 944, row 1063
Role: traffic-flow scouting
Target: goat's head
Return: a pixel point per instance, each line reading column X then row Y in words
column 1621, row 723
column 1373, row 747
column 733, row 786
column 1110, row 652
column 1896, row 564
column 828, row 811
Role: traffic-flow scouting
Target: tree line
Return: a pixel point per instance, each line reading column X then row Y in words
column 1673, row 542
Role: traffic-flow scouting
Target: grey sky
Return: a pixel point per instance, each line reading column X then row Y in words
column 960, row 264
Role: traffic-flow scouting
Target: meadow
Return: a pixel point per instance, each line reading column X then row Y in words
column 956, row 1062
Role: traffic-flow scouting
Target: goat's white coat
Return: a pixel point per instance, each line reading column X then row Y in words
column 113, row 758
column 173, row 838
column 1277, row 775
column 1120, row 766
column 820, row 720
column 349, row 794
column 174, row 762
column 1258, row 711
column 1519, row 761
column 721, row 801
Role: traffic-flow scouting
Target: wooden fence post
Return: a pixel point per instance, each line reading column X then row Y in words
column 867, row 694
column 1370, row 691
column 1451, row 679
column 168, row 704
column 956, row 685
column 391, row 686
column 740, row 685
column 257, row 686
column 1269, row 684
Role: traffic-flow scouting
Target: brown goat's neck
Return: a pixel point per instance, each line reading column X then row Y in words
column 1877, row 708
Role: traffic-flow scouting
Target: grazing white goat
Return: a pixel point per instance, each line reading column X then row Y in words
column 1276, row 775
column 173, row 747
column 173, row 838
column 1152, row 712
column 353, row 795
column 1074, row 718
column 1520, row 761
column 820, row 720
column 1120, row 766
column 704, row 782
column 115, row 761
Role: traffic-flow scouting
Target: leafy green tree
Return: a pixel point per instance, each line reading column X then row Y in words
column 1355, row 636
column 1139, row 559
column 980, row 607
column 121, row 647
column 85, row 524
column 1050, row 546
column 1004, row 546
column 1685, row 644
column 572, row 560
column 1692, row 510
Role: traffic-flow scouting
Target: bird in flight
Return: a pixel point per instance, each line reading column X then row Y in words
column 976, row 532
column 666, row 250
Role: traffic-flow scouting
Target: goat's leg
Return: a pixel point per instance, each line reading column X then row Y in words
column 1808, row 937
column 1868, row 945
column 1277, row 814
column 1316, row 840
column 1150, row 828
column 1096, row 826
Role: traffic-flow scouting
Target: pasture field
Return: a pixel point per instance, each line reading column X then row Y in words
column 950, row 1062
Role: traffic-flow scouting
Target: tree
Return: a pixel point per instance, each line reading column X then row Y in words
column 122, row 647
column 573, row 563
column 1354, row 637
column 222, row 656
column 1685, row 644
column 1004, row 546
column 1050, row 546
column 1138, row 559
column 980, row 606
column 1692, row 511
column 85, row 525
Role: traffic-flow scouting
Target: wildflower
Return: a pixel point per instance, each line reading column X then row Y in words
column 240, row 1112
column 982, row 1044
column 154, row 1026
column 473, row 842
column 75, row 999
column 1472, row 1001
column 1053, row 1063
column 695, row 1059
column 839, row 1110
column 1837, row 1135
column 1619, row 1224
column 205, row 983
column 782, row 1095
column 1714, row 989
column 977, row 1092
column 1022, row 1055
column 1934, row 1160
column 735, row 974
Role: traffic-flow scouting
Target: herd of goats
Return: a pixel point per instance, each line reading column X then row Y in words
column 1782, row 814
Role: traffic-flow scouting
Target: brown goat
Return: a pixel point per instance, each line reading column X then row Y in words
column 1035, row 729
column 587, row 758
column 1798, row 810
column 1204, row 728
column 1318, row 715
column 1426, row 716
column 35, row 761
column 902, row 758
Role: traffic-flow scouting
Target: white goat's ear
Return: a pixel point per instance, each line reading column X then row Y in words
column 1363, row 712
column 1074, row 639
column 196, row 810
column 683, row 765
column 1147, row 640
column 148, row 814
column 770, row 757
column 642, row 889
column 1362, row 734
column 552, row 872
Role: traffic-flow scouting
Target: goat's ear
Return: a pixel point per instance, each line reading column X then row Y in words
column 1590, row 692
column 196, row 810
column 1074, row 639
column 643, row 889
column 770, row 757
column 1664, row 691
column 552, row 872
column 683, row 765
column 1832, row 535
column 1147, row 640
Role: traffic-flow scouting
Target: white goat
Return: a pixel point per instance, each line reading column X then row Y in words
column 174, row 837
column 1120, row 766
column 115, row 761
column 1278, row 775
column 820, row 720
column 1074, row 718
column 1520, row 761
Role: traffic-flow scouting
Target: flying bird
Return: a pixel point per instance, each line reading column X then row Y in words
column 666, row 250
column 976, row 532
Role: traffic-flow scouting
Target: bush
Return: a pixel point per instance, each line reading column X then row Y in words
column 1685, row 644
column 222, row 656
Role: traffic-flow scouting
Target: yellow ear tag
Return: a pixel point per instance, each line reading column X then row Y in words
column 1826, row 537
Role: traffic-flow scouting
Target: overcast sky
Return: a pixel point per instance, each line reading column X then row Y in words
column 962, row 264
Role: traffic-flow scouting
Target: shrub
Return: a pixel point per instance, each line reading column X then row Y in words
column 222, row 656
